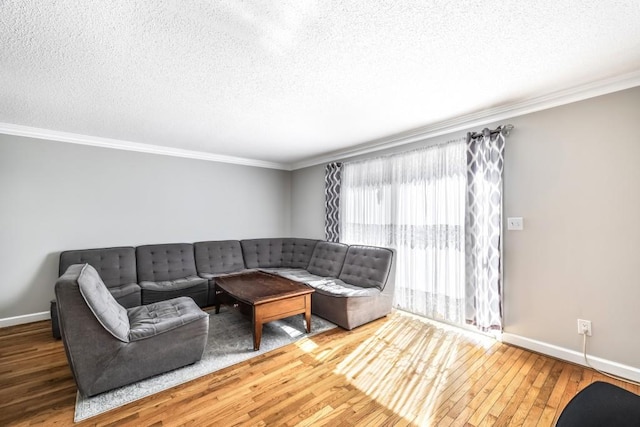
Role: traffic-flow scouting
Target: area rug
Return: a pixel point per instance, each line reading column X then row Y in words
column 230, row 342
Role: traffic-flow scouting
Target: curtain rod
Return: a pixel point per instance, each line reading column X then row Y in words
column 500, row 129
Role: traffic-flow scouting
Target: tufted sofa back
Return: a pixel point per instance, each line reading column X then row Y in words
column 218, row 257
column 366, row 266
column 165, row 262
column 262, row 253
column 116, row 266
column 296, row 253
column 277, row 253
column 327, row 259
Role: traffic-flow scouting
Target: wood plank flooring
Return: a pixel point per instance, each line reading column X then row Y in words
column 398, row 371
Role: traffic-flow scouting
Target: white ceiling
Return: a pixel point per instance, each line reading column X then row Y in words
column 289, row 80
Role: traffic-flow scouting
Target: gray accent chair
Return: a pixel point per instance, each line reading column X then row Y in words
column 108, row 346
column 217, row 258
column 169, row 271
column 117, row 268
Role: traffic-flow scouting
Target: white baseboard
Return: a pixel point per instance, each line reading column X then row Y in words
column 25, row 318
column 576, row 357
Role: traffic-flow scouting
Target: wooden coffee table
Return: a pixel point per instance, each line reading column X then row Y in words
column 270, row 297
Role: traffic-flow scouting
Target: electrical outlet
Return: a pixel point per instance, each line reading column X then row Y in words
column 584, row 327
column 515, row 223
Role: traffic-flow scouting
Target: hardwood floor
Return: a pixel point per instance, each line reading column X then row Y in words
column 395, row 371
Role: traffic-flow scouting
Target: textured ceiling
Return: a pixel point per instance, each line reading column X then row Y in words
column 287, row 80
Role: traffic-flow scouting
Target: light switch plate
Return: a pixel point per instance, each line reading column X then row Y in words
column 515, row 223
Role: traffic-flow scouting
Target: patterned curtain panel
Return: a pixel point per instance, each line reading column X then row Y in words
column 413, row 202
column 332, row 177
column 483, row 225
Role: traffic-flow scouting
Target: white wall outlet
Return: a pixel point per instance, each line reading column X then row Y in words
column 584, row 327
column 515, row 223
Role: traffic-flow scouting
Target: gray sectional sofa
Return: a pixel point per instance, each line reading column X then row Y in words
column 354, row 284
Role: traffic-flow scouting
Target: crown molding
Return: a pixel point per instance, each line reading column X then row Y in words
column 554, row 99
column 52, row 135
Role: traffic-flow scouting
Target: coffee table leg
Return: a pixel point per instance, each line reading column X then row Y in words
column 257, row 329
column 218, row 296
column 307, row 312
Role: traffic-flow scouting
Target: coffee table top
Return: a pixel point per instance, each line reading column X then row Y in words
column 259, row 287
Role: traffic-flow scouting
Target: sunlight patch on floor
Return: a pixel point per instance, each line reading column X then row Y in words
column 485, row 340
column 292, row 332
column 406, row 364
column 306, row 345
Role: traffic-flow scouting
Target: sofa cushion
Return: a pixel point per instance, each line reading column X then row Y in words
column 327, row 285
column 296, row 253
column 111, row 315
column 196, row 288
column 327, row 259
column 299, row 275
column 127, row 295
column 173, row 285
column 215, row 257
column 338, row 288
column 366, row 266
column 116, row 266
column 153, row 319
column 158, row 263
column 211, row 276
column 262, row 252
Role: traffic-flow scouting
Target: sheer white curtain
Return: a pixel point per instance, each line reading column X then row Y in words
column 413, row 202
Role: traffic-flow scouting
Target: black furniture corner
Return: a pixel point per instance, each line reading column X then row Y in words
column 601, row 404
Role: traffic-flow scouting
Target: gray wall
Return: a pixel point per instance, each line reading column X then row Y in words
column 307, row 208
column 57, row 196
column 573, row 173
